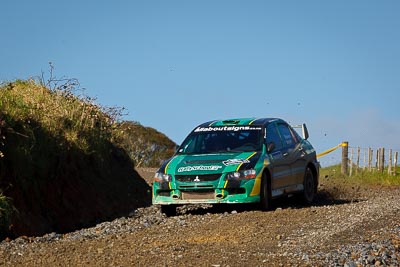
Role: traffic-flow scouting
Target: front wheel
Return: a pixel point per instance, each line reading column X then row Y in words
column 265, row 193
column 309, row 186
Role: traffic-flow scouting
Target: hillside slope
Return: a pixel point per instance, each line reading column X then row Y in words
column 61, row 162
column 146, row 146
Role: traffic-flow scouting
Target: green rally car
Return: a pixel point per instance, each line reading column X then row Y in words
column 238, row 161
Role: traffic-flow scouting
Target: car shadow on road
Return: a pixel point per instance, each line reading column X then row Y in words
column 323, row 198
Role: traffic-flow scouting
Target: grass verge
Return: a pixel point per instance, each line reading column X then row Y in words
column 363, row 176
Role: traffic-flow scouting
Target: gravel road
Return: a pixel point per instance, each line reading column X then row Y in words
column 347, row 226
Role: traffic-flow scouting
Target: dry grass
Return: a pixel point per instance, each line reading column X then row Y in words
column 78, row 119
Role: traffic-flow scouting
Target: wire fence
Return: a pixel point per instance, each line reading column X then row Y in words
column 354, row 159
column 369, row 159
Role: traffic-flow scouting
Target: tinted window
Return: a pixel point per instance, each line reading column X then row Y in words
column 273, row 136
column 287, row 135
column 296, row 135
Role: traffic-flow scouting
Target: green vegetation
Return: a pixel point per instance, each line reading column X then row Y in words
column 51, row 132
column 362, row 176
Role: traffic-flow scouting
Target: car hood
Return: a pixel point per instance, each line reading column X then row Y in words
column 210, row 163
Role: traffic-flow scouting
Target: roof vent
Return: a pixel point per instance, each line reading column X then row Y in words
column 231, row 122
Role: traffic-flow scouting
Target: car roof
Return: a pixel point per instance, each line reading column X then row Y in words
column 239, row 121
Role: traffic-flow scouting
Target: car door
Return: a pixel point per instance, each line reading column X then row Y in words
column 300, row 158
column 280, row 166
column 294, row 153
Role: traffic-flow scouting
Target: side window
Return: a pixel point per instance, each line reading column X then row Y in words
column 273, row 136
column 287, row 135
column 296, row 135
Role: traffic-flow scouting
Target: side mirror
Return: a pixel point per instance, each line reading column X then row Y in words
column 304, row 131
column 270, row 147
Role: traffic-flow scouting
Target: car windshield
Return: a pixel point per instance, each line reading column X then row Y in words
column 223, row 139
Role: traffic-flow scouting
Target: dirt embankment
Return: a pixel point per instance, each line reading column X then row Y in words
column 61, row 190
column 347, row 226
column 67, row 162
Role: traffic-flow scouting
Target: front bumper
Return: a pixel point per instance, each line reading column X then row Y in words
column 172, row 193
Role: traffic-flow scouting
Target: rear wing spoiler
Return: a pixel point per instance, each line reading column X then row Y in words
column 304, row 131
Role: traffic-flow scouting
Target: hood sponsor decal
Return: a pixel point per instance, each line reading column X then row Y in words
column 235, row 161
column 227, row 128
column 199, row 168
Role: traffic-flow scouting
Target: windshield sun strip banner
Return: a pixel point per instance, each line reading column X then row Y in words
column 227, row 128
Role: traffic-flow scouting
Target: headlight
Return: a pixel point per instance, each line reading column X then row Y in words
column 241, row 175
column 162, row 177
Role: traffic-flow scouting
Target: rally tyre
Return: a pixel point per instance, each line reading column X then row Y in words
column 309, row 187
column 168, row 210
column 265, row 193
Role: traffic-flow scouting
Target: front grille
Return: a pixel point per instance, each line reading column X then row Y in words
column 197, row 178
column 188, row 195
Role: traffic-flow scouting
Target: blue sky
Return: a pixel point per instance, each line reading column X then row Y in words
column 174, row 64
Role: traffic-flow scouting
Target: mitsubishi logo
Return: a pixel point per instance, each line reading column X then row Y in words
column 196, row 179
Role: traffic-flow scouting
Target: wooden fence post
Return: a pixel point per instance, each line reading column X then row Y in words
column 358, row 159
column 390, row 162
column 345, row 157
column 382, row 160
column 370, row 154
column 396, row 154
column 351, row 161
column 365, row 160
